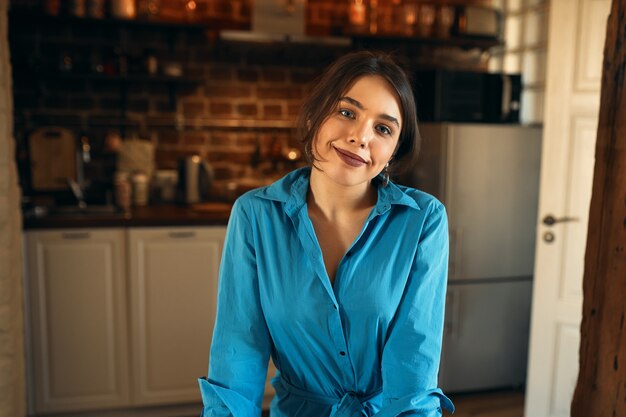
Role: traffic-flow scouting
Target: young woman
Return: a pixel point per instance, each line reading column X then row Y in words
column 335, row 272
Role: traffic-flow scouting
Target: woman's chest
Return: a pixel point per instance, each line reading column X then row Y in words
column 369, row 281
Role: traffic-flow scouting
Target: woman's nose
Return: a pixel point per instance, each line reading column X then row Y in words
column 361, row 135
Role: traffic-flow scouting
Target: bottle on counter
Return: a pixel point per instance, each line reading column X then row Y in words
column 123, row 190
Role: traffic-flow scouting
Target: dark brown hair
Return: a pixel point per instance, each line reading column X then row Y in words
column 337, row 79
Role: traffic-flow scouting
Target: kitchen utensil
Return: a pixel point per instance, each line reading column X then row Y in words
column 52, row 158
column 164, row 183
column 195, row 177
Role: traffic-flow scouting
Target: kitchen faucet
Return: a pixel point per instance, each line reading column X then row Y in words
column 78, row 192
column 83, row 156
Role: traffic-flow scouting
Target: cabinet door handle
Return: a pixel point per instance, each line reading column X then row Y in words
column 182, row 235
column 76, row 235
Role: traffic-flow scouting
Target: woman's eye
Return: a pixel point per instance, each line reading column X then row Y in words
column 346, row 113
column 384, row 130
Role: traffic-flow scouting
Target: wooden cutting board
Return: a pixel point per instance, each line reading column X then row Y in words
column 52, row 158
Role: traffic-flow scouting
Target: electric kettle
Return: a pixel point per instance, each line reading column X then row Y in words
column 195, row 177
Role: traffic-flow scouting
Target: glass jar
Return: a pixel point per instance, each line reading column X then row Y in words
column 123, row 190
column 140, row 189
column 409, row 21
column 444, row 20
column 123, row 9
column 148, row 9
column 358, row 16
column 425, row 20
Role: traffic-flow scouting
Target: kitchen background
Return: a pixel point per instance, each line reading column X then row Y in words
column 169, row 78
column 177, row 78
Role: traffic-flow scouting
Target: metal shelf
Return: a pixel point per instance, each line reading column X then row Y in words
column 462, row 42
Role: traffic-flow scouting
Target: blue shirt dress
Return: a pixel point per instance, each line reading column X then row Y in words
column 369, row 345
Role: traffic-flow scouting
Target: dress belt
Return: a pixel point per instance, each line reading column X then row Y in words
column 349, row 405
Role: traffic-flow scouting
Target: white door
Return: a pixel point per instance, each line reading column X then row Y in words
column 78, row 335
column 576, row 41
column 173, row 294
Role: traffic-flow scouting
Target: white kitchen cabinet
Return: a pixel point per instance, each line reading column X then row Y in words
column 78, row 328
column 173, row 275
column 121, row 318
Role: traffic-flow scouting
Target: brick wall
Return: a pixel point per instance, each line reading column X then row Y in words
column 234, row 105
column 12, row 374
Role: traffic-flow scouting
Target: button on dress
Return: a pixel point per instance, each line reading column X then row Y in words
column 367, row 345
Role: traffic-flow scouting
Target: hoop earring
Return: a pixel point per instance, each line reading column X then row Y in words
column 386, row 175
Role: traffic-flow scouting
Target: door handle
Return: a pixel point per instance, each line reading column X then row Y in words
column 76, row 235
column 550, row 220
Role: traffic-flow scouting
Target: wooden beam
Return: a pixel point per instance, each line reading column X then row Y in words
column 601, row 387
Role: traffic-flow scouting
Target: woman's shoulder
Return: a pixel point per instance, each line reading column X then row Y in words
column 292, row 185
column 249, row 202
column 422, row 199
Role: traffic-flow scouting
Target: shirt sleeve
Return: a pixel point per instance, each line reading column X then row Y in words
column 410, row 359
column 240, row 348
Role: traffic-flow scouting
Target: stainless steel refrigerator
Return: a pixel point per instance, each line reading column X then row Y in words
column 487, row 176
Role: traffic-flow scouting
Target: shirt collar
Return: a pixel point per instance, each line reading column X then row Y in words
column 292, row 190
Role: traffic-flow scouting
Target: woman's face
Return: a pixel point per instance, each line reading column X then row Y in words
column 360, row 136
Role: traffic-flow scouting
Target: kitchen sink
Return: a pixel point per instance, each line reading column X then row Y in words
column 85, row 211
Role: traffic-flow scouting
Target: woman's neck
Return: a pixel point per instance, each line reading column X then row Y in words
column 333, row 200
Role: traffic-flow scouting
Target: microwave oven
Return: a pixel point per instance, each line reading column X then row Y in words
column 464, row 96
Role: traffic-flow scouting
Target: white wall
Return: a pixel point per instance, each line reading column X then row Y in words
column 12, row 376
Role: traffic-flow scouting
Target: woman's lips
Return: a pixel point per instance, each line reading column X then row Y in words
column 350, row 158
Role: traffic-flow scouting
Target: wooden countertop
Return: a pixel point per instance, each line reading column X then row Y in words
column 205, row 214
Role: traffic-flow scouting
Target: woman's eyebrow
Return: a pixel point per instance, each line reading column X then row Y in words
column 360, row 106
column 352, row 101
